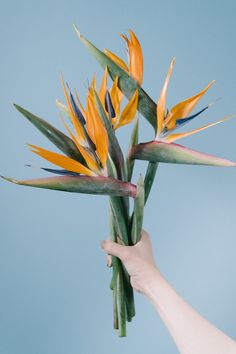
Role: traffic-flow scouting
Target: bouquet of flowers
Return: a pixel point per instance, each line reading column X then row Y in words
column 93, row 161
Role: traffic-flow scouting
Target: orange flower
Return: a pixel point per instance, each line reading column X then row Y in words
column 90, row 137
column 135, row 57
column 170, row 120
column 113, row 105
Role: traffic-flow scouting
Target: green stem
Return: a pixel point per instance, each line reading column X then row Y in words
column 122, row 297
column 115, row 310
column 129, row 163
column 121, row 218
column 121, row 307
column 115, row 269
column 129, row 295
column 148, row 182
column 149, row 178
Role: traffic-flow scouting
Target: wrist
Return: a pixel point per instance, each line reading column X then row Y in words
column 152, row 282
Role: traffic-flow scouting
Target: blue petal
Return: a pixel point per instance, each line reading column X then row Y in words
column 180, row 122
column 57, row 171
column 82, row 120
column 109, row 106
column 77, row 111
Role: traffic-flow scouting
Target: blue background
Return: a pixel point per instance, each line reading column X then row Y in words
column 55, row 295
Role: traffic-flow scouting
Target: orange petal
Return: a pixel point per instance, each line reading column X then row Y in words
column 172, row 137
column 77, row 126
column 116, row 96
column 60, row 160
column 161, row 105
column 103, row 88
column 116, row 59
column 100, row 133
column 184, row 108
column 92, row 164
column 89, row 120
column 129, row 111
column 136, row 58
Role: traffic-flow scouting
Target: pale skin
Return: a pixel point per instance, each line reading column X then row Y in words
column 192, row 333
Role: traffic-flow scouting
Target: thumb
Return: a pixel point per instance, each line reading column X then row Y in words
column 115, row 249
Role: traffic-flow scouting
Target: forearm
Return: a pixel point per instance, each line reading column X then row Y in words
column 191, row 332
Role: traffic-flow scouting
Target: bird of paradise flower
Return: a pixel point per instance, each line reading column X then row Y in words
column 90, row 138
column 94, row 162
column 86, row 152
column 128, row 79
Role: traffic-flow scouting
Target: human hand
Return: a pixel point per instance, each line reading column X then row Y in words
column 138, row 261
column 191, row 332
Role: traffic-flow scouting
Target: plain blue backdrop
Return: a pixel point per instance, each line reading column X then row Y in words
column 54, row 283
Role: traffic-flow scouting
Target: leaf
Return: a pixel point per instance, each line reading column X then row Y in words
column 81, row 184
column 159, row 151
column 128, row 85
column 137, row 220
column 62, row 142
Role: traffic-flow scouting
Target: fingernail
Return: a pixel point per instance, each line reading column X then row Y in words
column 109, row 261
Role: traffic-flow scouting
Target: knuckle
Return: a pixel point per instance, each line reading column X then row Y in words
column 106, row 245
column 126, row 254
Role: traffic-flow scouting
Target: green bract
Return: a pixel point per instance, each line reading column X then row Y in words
column 157, row 151
column 81, row 184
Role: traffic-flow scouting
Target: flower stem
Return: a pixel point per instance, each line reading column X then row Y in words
column 123, row 297
column 129, row 295
column 149, row 178
column 121, row 307
column 115, row 310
